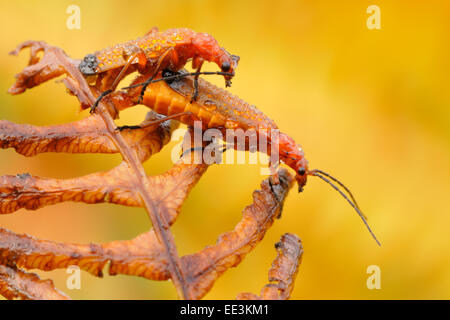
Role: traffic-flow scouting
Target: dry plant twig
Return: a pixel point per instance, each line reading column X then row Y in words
column 283, row 272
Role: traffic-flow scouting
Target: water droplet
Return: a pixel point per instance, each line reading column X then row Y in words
column 210, row 105
column 231, row 124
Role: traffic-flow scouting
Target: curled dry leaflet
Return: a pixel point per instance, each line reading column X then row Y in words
column 153, row 254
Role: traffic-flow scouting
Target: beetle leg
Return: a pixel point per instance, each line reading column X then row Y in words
column 192, row 149
column 196, row 64
column 136, row 53
column 274, row 180
column 155, row 122
column 152, row 30
column 155, row 72
column 274, row 177
column 99, row 98
column 121, row 100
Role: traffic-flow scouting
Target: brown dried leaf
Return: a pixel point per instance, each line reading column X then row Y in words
column 207, row 265
column 38, row 70
column 114, row 186
column 56, row 59
column 144, row 256
column 28, row 252
column 18, row 284
column 84, row 136
column 88, row 135
column 283, row 272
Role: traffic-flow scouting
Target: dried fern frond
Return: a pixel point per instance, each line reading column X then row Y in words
column 18, row 284
column 151, row 255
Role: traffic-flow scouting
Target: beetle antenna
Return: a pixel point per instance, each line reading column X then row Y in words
column 343, row 186
column 316, row 173
column 181, row 75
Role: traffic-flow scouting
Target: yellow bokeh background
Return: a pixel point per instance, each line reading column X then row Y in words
column 372, row 107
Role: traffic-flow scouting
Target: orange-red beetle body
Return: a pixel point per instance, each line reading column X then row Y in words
column 168, row 49
column 217, row 108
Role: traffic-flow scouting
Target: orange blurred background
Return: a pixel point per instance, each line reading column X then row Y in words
column 372, row 107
